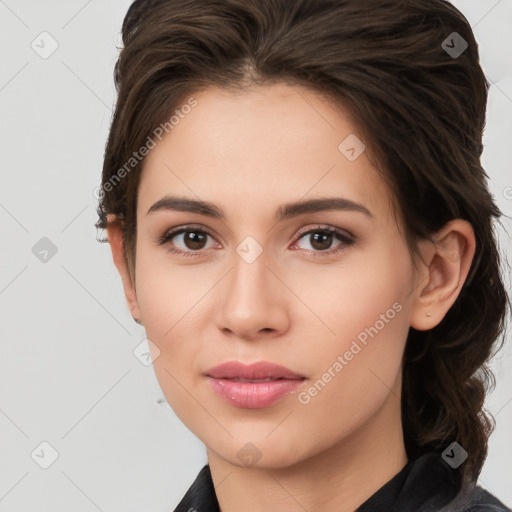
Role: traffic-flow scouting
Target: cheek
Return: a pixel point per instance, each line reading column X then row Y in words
column 170, row 306
column 368, row 308
column 169, row 296
column 352, row 296
column 356, row 372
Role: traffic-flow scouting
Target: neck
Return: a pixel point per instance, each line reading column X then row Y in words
column 339, row 478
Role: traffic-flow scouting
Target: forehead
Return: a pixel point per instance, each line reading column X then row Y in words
column 262, row 147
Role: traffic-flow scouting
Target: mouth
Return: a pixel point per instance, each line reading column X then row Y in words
column 253, row 386
column 262, row 371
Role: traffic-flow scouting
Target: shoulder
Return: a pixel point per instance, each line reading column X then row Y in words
column 429, row 484
column 477, row 500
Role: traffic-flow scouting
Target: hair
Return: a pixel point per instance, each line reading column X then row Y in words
column 421, row 113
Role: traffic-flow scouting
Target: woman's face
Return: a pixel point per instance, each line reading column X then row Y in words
column 265, row 281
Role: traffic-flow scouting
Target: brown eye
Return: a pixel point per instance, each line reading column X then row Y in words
column 194, row 240
column 186, row 241
column 321, row 240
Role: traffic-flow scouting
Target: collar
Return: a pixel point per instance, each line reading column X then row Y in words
column 426, row 484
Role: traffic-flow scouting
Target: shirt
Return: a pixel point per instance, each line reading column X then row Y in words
column 426, row 484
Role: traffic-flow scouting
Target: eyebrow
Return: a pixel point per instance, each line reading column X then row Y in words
column 286, row 211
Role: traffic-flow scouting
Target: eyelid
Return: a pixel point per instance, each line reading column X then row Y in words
column 328, row 228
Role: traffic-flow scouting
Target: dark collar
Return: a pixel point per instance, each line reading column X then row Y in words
column 427, row 484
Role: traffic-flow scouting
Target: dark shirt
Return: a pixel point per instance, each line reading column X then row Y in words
column 424, row 485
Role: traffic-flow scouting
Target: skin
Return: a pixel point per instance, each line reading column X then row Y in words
column 249, row 153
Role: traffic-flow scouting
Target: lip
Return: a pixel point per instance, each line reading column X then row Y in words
column 259, row 370
column 248, row 393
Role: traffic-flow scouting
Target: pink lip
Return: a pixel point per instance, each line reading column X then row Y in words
column 260, row 370
column 253, row 395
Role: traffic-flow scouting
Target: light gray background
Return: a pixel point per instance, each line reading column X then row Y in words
column 68, row 373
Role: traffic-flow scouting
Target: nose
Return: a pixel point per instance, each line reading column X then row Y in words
column 252, row 301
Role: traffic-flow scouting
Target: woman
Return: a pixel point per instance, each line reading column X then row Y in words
column 293, row 196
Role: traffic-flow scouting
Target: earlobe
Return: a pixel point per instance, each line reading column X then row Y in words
column 115, row 239
column 447, row 260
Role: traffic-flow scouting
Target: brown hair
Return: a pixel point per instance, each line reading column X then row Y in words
column 421, row 111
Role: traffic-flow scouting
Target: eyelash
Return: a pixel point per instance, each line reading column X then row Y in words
column 344, row 238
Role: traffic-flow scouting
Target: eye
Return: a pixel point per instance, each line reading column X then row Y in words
column 321, row 239
column 193, row 240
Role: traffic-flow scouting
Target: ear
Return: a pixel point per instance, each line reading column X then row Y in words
column 115, row 239
column 446, row 263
